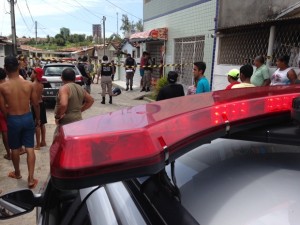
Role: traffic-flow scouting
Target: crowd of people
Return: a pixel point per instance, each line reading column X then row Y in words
column 244, row 77
column 261, row 76
column 23, row 114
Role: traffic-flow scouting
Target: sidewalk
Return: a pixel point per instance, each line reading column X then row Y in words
column 134, row 94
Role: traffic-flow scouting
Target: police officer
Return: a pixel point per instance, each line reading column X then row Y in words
column 130, row 66
column 106, row 82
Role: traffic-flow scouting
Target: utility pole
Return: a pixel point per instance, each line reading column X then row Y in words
column 117, row 23
column 36, row 40
column 13, row 25
column 35, row 33
column 104, row 18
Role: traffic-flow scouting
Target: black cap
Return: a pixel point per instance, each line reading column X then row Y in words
column 172, row 77
column 11, row 60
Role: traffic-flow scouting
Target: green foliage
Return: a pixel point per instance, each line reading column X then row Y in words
column 65, row 32
column 126, row 26
column 139, row 26
column 162, row 82
column 64, row 39
column 114, row 37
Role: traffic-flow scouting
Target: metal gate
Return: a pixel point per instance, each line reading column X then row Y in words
column 188, row 51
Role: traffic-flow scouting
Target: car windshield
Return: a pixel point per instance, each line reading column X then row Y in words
column 57, row 70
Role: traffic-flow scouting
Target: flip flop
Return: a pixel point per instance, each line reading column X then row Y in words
column 6, row 157
column 37, row 148
column 13, row 175
column 35, row 182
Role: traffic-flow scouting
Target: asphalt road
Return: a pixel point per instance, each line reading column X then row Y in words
column 126, row 99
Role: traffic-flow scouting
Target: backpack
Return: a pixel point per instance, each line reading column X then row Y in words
column 130, row 63
column 82, row 69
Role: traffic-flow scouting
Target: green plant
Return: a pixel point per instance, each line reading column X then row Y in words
column 162, row 82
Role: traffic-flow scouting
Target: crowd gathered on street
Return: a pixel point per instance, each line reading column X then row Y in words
column 23, row 113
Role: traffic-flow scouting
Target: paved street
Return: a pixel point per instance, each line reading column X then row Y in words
column 126, row 99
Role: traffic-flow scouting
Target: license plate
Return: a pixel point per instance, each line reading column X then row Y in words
column 58, row 84
column 51, row 93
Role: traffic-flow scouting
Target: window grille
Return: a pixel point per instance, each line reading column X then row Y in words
column 187, row 51
column 241, row 45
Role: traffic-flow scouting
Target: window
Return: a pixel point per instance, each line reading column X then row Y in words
column 242, row 45
column 133, row 54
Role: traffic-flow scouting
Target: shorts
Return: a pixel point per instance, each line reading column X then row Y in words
column 43, row 115
column 20, row 131
column 3, row 124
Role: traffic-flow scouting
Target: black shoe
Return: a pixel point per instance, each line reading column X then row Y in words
column 148, row 89
column 110, row 100
column 103, row 100
column 131, row 89
column 143, row 89
column 127, row 89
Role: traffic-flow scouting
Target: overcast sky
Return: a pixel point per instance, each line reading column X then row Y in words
column 77, row 15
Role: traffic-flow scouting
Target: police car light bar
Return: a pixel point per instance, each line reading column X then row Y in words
column 139, row 141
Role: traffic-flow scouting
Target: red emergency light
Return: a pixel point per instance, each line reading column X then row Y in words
column 140, row 140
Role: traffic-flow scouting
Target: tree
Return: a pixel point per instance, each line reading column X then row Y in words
column 65, row 32
column 48, row 38
column 126, row 25
column 89, row 38
column 139, row 26
column 59, row 40
column 114, row 37
column 81, row 37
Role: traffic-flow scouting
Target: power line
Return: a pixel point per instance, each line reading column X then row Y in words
column 88, row 10
column 123, row 9
column 23, row 18
column 67, row 13
column 44, row 27
column 29, row 11
column 82, row 20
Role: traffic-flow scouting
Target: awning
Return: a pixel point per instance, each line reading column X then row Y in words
column 159, row 34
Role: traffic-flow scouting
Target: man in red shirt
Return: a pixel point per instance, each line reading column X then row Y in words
column 232, row 76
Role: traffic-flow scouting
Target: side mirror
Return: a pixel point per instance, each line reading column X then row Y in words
column 17, row 203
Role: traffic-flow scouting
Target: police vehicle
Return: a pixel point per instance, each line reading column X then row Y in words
column 225, row 157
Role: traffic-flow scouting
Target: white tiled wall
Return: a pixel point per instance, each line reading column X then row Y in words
column 194, row 21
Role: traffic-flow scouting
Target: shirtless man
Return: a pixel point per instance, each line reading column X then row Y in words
column 16, row 95
column 40, row 131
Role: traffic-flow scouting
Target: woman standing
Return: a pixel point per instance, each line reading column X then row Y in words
column 284, row 75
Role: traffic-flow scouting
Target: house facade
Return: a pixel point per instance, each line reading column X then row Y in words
column 252, row 28
column 5, row 49
column 189, row 28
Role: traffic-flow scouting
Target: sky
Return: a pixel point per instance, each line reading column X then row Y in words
column 77, row 15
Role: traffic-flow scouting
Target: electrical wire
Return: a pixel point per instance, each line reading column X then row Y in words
column 23, row 19
column 92, row 11
column 29, row 11
column 67, row 13
column 44, row 27
column 123, row 10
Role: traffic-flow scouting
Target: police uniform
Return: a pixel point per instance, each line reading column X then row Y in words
column 106, row 81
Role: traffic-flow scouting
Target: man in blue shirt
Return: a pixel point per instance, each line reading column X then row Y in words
column 200, row 79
